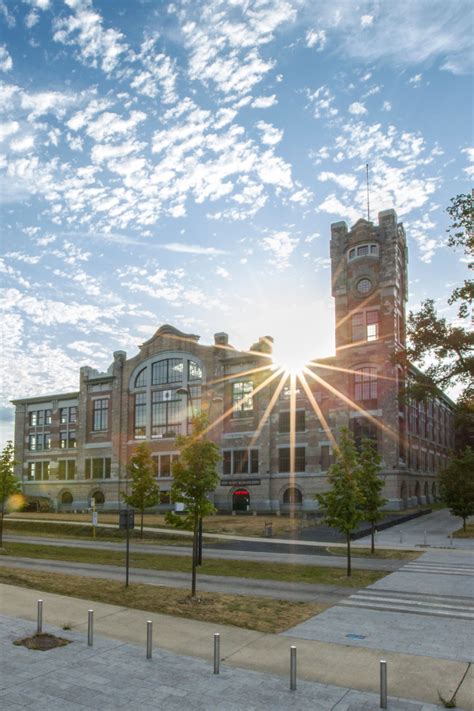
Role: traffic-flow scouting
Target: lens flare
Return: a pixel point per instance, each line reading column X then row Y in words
column 15, row 502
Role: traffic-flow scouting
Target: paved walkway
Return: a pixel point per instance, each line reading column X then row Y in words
column 86, row 675
column 425, row 608
column 113, row 675
column 432, row 530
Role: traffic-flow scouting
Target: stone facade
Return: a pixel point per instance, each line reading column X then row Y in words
column 75, row 446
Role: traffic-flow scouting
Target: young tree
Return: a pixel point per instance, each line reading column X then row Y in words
column 342, row 504
column 457, row 485
column 9, row 484
column 371, row 485
column 194, row 475
column 145, row 491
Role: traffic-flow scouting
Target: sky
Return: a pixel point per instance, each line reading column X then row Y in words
column 182, row 162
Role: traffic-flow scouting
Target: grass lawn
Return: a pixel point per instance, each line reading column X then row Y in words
column 234, row 568
column 233, row 525
column 379, row 554
column 468, row 533
column 255, row 613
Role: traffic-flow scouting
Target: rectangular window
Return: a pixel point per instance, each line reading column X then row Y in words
column 38, row 471
column 194, row 370
column 62, row 468
column 362, row 251
column 97, row 468
column 40, row 418
column 72, row 442
column 166, row 413
column 47, row 417
column 284, row 421
column 47, row 441
column 39, row 442
column 372, row 320
column 242, row 400
column 325, row 457
column 164, row 464
column 227, row 465
column 32, row 443
column 32, row 418
column 365, row 384
column 284, row 460
column 63, row 415
column 71, row 469
column 73, row 414
column 63, row 440
column 140, row 415
column 100, row 415
column 240, row 461
column 357, row 327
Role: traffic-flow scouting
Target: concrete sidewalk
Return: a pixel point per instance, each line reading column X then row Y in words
column 409, row 676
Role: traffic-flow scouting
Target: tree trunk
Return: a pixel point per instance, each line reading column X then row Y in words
column 349, row 571
column 1, row 527
column 195, row 551
column 463, row 522
column 372, row 542
column 141, row 524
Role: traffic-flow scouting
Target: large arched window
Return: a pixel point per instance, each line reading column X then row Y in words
column 166, row 392
column 292, row 496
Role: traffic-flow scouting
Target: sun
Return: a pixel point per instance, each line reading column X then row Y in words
column 290, row 355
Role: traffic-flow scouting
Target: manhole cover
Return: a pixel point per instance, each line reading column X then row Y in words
column 355, row 636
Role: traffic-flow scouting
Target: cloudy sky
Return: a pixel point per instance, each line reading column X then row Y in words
column 181, row 162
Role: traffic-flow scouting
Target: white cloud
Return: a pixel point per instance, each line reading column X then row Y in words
column 192, row 249
column 357, row 108
column 264, row 102
column 84, row 29
column 281, row 246
column 316, row 38
column 386, row 106
column 348, row 182
column 366, row 21
column 8, row 128
column 23, row 144
column 302, row 197
column 270, row 135
column 6, row 62
column 415, row 80
column 31, row 19
column 322, row 101
column 469, row 170
column 220, row 271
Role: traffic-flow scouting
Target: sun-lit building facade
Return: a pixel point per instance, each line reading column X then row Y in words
column 276, row 429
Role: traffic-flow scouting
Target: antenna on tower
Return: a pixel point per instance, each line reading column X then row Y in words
column 367, row 183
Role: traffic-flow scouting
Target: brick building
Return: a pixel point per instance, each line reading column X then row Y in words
column 74, row 446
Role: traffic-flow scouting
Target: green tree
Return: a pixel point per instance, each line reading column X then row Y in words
column 342, row 504
column 194, row 476
column 371, row 485
column 145, row 491
column 444, row 350
column 9, row 484
column 457, row 485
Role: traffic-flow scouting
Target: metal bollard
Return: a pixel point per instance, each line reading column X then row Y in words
column 39, row 617
column 149, row 639
column 293, row 668
column 425, row 538
column 383, row 684
column 401, row 537
column 90, row 628
column 217, row 652
column 451, row 540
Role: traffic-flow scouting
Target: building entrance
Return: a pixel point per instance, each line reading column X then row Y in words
column 240, row 500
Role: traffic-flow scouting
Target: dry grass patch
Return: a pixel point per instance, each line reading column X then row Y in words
column 380, row 554
column 287, row 572
column 254, row 613
column 42, row 642
column 468, row 533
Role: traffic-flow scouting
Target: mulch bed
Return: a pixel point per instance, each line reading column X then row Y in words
column 42, row 641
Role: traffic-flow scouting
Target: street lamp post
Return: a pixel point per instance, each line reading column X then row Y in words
column 197, row 545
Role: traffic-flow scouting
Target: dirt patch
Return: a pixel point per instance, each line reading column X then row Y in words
column 42, row 642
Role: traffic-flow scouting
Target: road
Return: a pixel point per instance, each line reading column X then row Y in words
column 303, row 558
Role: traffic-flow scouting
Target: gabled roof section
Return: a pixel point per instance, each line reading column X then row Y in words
column 168, row 330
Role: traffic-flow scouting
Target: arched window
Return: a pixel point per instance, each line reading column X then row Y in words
column 98, row 497
column 403, row 492
column 292, row 496
column 169, row 394
column 365, row 384
column 67, row 498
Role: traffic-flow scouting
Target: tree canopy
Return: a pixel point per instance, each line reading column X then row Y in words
column 144, row 490
column 9, row 484
column 457, row 485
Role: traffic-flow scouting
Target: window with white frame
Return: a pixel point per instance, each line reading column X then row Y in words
column 242, row 398
column 66, row 469
column 97, row 468
column 38, row 471
column 365, row 326
column 100, row 414
column 365, row 384
column 363, row 250
column 240, row 461
column 164, row 463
